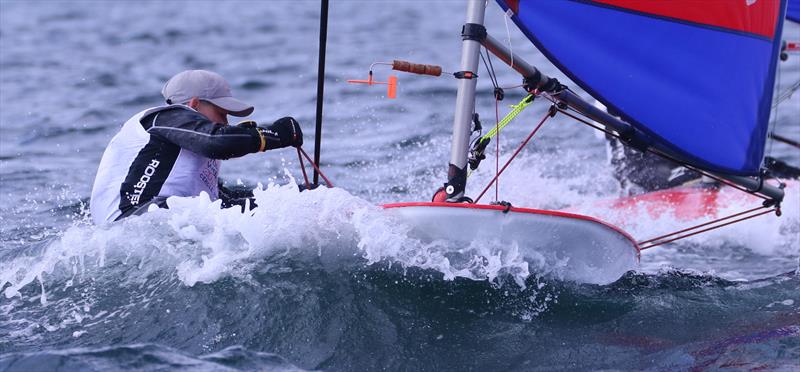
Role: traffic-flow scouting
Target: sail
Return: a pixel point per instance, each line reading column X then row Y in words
column 695, row 76
column 793, row 11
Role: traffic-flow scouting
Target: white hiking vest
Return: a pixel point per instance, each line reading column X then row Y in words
column 155, row 170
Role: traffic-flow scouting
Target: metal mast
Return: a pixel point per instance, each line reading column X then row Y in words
column 323, row 39
column 471, row 34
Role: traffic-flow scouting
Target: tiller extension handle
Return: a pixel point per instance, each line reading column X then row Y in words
column 417, row 68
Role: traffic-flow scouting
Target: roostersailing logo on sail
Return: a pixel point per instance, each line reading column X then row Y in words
column 139, row 187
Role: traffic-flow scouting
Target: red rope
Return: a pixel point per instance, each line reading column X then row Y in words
column 303, row 168
column 521, row 146
column 699, row 226
column 327, row 181
column 704, row 230
column 497, row 149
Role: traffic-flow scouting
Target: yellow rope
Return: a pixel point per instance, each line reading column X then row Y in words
column 516, row 110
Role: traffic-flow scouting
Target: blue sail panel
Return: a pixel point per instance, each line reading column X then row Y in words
column 700, row 88
column 793, row 11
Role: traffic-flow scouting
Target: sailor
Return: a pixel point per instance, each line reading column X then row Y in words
column 175, row 149
column 640, row 172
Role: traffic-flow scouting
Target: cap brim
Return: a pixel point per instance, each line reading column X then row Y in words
column 232, row 105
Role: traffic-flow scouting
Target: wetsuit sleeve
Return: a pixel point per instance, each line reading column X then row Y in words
column 193, row 131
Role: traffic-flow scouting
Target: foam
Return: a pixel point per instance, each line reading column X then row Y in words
column 201, row 243
column 534, row 181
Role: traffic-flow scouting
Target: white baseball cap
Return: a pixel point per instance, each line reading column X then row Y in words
column 207, row 86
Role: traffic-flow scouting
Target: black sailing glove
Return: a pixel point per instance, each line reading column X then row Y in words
column 282, row 133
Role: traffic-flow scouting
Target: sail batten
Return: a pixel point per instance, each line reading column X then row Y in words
column 699, row 87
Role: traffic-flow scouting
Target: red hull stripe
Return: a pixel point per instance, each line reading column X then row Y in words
column 758, row 17
column 515, row 209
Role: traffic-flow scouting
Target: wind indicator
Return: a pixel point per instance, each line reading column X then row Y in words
column 391, row 89
column 404, row 66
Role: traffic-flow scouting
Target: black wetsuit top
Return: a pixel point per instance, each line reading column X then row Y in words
column 168, row 151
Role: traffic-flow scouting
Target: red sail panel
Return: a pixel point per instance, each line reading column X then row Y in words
column 750, row 16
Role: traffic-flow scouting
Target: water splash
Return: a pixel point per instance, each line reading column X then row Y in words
column 201, row 243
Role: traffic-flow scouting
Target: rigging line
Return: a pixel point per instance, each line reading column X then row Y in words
column 521, row 146
column 489, row 58
column 516, row 110
column 709, row 229
column 323, row 38
column 787, row 93
column 489, row 71
column 772, row 124
column 480, row 53
column 665, row 156
column 303, row 168
column 497, row 97
column 508, row 38
column 785, row 140
column 712, row 176
column 699, row 226
column 497, row 148
column 316, row 168
column 493, row 74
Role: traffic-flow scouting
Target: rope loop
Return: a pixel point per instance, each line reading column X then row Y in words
column 300, row 155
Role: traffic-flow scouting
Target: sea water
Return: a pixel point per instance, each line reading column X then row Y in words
column 326, row 279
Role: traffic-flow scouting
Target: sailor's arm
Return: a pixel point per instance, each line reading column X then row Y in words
column 194, row 132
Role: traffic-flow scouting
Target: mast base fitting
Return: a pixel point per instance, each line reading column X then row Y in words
column 456, row 183
column 440, row 196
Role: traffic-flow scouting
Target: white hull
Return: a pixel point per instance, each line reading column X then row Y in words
column 584, row 249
